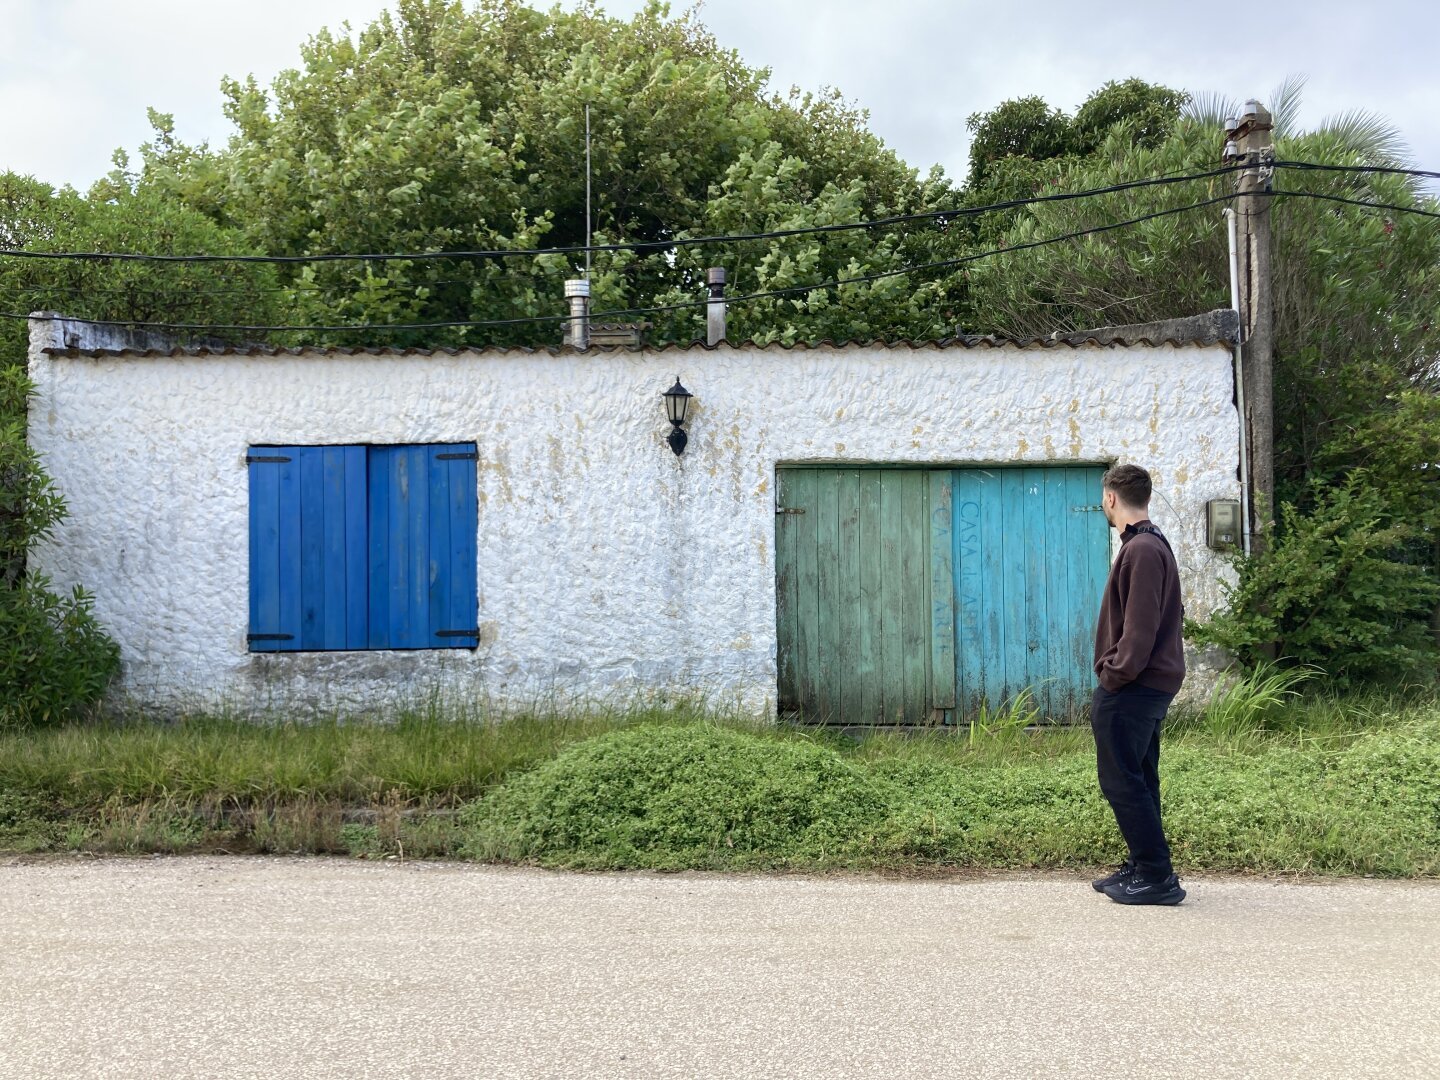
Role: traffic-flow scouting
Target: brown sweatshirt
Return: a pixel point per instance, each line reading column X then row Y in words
column 1137, row 637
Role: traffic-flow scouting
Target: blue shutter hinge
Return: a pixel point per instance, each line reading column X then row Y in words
column 472, row 456
column 457, row 633
column 269, row 637
column 1086, row 509
column 251, row 459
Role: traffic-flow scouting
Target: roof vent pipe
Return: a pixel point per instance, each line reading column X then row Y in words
column 715, row 307
column 577, row 329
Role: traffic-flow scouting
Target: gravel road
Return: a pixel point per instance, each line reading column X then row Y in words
column 260, row 967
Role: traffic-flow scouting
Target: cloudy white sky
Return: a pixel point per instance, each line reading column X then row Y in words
column 76, row 75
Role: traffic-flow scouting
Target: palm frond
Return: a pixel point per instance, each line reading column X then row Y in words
column 1210, row 109
column 1369, row 136
column 1285, row 105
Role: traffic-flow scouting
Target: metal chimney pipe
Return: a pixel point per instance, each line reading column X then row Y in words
column 715, row 308
column 577, row 330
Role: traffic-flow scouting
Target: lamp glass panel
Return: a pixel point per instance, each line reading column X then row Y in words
column 676, row 406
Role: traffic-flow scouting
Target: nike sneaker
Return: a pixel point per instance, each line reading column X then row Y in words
column 1136, row 890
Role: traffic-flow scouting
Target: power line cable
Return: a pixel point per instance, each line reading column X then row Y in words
column 644, row 245
column 1392, row 170
column 1367, row 204
column 657, row 309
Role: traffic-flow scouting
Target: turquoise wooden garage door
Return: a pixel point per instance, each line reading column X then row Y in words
column 914, row 596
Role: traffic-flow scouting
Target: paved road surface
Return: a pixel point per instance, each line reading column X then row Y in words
column 243, row 967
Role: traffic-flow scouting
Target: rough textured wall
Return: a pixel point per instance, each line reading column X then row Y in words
column 606, row 564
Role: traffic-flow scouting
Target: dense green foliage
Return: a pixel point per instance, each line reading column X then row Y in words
column 673, row 797
column 118, row 215
column 1335, row 591
column 441, row 128
column 55, row 660
column 1029, row 130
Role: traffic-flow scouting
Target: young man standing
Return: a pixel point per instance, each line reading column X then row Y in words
column 1140, row 663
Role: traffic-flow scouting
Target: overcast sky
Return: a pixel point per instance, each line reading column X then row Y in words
column 77, row 75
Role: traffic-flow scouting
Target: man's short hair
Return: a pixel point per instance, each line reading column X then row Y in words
column 1130, row 483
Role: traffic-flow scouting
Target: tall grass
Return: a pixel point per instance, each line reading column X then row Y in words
column 1262, row 779
column 1241, row 705
column 435, row 752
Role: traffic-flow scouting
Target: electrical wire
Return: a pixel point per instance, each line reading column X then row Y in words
column 644, row 245
column 1367, row 204
column 787, row 291
column 767, row 294
column 1392, row 170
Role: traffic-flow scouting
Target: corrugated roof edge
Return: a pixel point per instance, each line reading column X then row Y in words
column 1073, row 341
column 1219, row 327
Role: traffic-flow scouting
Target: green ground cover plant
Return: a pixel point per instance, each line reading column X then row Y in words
column 1320, row 784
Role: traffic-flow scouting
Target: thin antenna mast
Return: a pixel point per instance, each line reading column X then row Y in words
column 588, row 234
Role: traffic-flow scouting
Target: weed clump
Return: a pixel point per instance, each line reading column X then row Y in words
column 696, row 796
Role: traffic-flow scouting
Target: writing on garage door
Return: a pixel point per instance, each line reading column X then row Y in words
column 909, row 596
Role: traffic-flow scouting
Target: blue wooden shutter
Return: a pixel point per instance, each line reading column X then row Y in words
column 422, row 547
column 307, row 548
column 271, row 468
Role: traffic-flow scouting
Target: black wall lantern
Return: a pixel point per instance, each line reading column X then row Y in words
column 677, row 403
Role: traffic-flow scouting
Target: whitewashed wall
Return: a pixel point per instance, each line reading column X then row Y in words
column 606, row 565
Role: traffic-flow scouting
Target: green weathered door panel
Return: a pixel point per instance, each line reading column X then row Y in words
column 853, row 591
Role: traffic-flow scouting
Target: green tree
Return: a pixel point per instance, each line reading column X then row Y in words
column 1148, row 111
column 437, row 127
column 1024, row 127
column 1023, row 147
column 116, row 216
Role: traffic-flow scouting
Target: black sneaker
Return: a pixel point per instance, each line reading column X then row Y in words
column 1136, row 890
column 1119, row 877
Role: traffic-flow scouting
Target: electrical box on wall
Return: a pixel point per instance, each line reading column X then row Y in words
column 1222, row 524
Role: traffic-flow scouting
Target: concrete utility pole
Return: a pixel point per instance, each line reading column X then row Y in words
column 1249, row 143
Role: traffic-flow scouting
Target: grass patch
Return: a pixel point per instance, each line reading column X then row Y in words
column 676, row 797
column 1314, row 785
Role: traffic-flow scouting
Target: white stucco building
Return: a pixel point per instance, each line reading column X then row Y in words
column 604, row 563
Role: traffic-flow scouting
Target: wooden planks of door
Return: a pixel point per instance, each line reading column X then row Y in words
column 917, row 596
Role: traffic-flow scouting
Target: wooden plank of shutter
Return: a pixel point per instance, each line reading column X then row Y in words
column 312, row 547
column 291, row 601
column 357, row 573
column 377, row 562
column 439, row 558
column 265, row 633
column 914, row 580
column 1033, row 553
column 452, row 529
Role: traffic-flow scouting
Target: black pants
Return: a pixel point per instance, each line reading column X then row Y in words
column 1127, row 750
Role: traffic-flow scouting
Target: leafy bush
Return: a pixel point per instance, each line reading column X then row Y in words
column 54, row 657
column 1338, row 588
column 29, row 505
